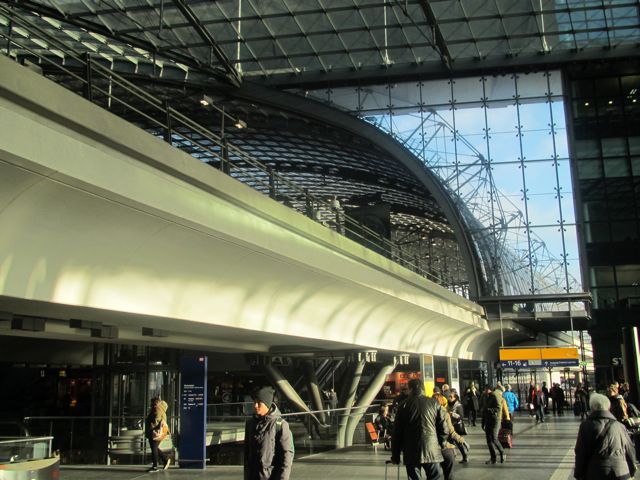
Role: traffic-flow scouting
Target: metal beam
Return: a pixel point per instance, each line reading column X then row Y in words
column 441, row 44
column 133, row 41
column 434, row 70
column 538, row 298
column 192, row 18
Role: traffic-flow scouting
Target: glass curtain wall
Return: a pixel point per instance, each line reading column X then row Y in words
column 499, row 145
column 605, row 110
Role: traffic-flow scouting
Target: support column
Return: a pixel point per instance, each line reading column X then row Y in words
column 347, row 396
column 314, row 390
column 631, row 352
column 367, row 397
column 285, row 388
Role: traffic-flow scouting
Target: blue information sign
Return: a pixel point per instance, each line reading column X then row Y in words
column 193, row 407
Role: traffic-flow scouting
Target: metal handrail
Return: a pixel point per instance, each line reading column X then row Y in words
column 15, row 440
column 23, row 439
column 365, row 234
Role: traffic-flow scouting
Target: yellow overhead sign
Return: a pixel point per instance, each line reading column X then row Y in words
column 547, row 357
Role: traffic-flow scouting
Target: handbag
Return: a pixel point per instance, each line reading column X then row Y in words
column 507, row 425
column 460, row 428
column 505, row 438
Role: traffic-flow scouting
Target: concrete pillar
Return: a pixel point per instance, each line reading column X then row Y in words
column 367, row 397
column 285, row 388
column 347, row 396
column 314, row 390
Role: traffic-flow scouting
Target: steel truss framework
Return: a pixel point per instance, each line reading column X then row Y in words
column 516, row 259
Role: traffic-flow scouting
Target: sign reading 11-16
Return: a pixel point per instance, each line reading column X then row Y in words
column 539, row 357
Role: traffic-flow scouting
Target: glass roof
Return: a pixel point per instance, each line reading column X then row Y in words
column 305, row 39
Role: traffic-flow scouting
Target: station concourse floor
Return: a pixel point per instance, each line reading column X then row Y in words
column 540, row 452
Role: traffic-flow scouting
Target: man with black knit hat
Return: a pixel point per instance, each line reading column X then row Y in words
column 268, row 444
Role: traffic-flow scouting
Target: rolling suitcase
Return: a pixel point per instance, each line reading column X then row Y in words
column 386, row 468
column 505, row 438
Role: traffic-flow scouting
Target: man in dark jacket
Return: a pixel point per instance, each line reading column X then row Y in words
column 268, row 445
column 492, row 421
column 420, row 433
column 603, row 449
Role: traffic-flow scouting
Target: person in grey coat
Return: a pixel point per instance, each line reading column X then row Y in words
column 603, row 450
column 420, row 434
column 268, row 444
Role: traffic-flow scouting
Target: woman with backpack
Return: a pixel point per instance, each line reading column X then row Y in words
column 603, row 449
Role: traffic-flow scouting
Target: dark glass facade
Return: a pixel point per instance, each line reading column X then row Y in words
column 605, row 118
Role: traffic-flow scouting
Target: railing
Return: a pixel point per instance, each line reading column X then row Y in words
column 113, row 92
column 121, row 440
column 20, row 449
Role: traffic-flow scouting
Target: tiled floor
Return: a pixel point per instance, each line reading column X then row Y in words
column 541, row 452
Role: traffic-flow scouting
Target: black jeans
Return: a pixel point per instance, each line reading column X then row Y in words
column 491, row 434
column 433, row 471
column 472, row 416
column 448, row 463
column 156, row 454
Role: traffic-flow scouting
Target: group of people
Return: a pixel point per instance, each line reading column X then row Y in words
column 425, row 435
column 426, row 431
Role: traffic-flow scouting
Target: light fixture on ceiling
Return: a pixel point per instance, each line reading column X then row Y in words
column 208, row 102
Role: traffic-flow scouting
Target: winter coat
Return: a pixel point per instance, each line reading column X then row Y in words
column 471, row 400
column 493, row 411
column 619, row 408
column 612, row 457
column 153, row 421
column 512, row 401
column 268, row 447
column 453, row 439
column 582, row 399
column 383, row 425
column 537, row 398
column 456, row 411
column 420, row 431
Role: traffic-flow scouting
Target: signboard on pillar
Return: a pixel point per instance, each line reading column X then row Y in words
column 428, row 374
column 453, row 374
column 193, row 412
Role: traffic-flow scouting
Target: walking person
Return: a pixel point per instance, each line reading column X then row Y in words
column 420, row 434
column 492, row 421
column 453, row 440
column 603, row 448
column 581, row 397
column 511, row 399
column 456, row 414
column 471, row 403
column 155, row 430
column 483, row 403
column 618, row 405
column 384, row 426
column 268, row 444
column 537, row 399
column 545, row 392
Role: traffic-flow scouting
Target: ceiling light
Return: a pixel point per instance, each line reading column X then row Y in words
column 610, row 102
column 240, row 123
column 204, row 102
column 586, row 104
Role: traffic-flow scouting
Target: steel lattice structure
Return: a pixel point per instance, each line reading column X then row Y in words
column 508, row 260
